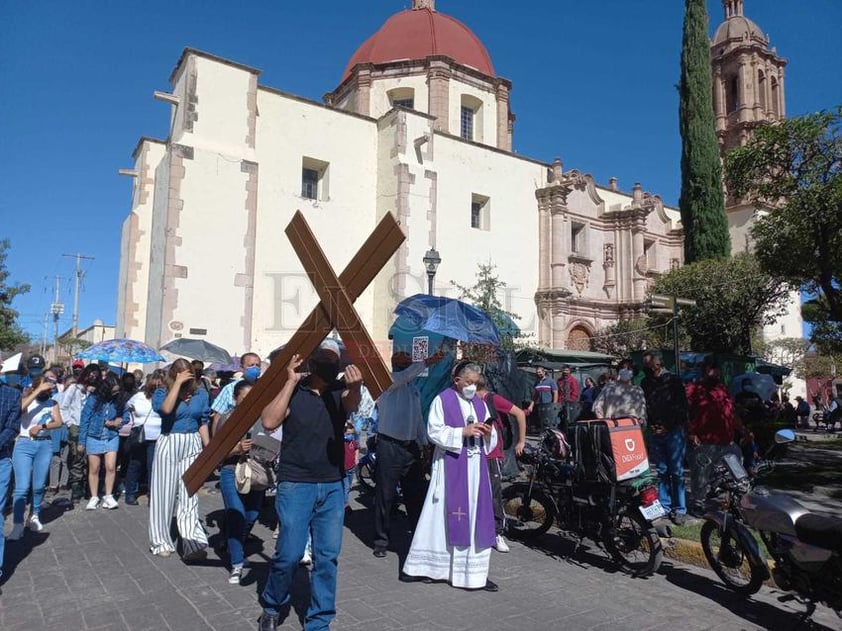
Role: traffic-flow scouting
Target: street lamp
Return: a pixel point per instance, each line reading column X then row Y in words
column 431, row 263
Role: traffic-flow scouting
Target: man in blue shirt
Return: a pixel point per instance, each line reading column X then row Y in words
column 9, row 429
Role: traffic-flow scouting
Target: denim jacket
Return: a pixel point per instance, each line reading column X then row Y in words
column 92, row 423
column 9, row 419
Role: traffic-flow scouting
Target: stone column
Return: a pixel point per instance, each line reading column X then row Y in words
column 438, row 87
column 543, row 242
column 743, row 91
column 718, row 100
column 781, row 93
column 503, row 138
column 364, row 92
column 559, row 247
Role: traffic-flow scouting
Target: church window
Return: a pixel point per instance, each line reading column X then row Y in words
column 470, row 118
column 651, row 254
column 761, row 89
column 480, row 212
column 402, row 97
column 776, row 104
column 466, row 123
column 732, row 94
column 314, row 179
column 578, row 238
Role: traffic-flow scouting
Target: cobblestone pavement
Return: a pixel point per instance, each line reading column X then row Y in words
column 92, row 570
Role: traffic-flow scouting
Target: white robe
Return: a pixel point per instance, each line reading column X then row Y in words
column 430, row 555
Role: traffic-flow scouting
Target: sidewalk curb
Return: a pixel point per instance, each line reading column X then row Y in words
column 691, row 553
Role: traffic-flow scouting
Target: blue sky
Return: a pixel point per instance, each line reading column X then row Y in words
column 594, row 83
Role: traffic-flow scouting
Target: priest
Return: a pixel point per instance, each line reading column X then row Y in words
column 455, row 532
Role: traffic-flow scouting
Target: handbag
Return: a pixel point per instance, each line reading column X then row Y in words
column 137, row 435
column 252, row 475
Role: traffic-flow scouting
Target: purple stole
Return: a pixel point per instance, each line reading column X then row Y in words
column 456, row 482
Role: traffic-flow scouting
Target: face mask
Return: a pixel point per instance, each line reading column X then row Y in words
column 43, row 396
column 251, row 373
column 469, row 391
column 325, row 371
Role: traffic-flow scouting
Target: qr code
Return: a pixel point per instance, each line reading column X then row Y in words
column 420, row 348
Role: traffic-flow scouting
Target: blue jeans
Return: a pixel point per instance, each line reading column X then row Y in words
column 667, row 451
column 304, row 507
column 5, row 478
column 347, row 481
column 31, row 461
column 142, row 456
column 241, row 511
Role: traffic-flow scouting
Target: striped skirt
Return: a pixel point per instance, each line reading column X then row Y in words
column 174, row 453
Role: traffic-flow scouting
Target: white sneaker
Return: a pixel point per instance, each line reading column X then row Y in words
column 307, row 559
column 236, row 574
column 35, row 524
column 109, row 502
column 500, row 544
column 17, row 532
column 93, row 504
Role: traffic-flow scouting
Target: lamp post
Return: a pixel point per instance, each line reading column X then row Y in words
column 431, row 264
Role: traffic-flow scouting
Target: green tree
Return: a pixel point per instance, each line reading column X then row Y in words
column 733, row 298
column 794, row 168
column 702, row 202
column 11, row 334
column 622, row 338
column 485, row 295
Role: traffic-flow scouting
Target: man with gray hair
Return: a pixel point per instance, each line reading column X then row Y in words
column 621, row 398
column 455, row 533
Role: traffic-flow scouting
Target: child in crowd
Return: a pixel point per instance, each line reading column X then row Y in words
column 351, row 447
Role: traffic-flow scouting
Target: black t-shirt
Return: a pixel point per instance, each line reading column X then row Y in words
column 314, row 444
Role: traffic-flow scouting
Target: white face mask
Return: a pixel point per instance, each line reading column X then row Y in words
column 469, row 391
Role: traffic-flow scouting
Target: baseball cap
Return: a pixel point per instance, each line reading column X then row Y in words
column 625, row 374
column 331, row 345
column 35, row 364
column 78, row 363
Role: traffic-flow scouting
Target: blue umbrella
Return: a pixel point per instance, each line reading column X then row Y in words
column 449, row 317
column 122, row 351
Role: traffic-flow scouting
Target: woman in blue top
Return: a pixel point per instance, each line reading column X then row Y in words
column 99, row 425
column 184, row 412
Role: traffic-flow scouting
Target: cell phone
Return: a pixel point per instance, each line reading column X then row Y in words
column 248, row 435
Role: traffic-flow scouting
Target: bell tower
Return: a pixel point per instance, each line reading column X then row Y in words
column 748, row 78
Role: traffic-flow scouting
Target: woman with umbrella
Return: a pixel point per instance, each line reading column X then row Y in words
column 184, row 412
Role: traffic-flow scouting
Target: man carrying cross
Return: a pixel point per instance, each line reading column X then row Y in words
column 455, row 533
column 312, row 407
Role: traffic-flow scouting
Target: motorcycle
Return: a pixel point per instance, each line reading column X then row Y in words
column 806, row 548
column 619, row 514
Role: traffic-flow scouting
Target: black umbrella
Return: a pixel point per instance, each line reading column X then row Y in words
column 197, row 349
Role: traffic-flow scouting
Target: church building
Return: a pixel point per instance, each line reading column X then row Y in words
column 420, row 125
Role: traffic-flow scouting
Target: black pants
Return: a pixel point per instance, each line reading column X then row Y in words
column 396, row 463
column 495, row 475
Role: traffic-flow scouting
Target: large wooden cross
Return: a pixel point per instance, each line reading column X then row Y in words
column 335, row 311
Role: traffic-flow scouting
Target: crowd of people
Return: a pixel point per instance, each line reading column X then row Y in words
column 688, row 425
column 100, row 435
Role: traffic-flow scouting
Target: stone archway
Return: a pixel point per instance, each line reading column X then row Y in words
column 579, row 339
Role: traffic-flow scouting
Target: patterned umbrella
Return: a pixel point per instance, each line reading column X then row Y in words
column 122, row 351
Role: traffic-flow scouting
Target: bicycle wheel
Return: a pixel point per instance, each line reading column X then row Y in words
column 528, row 514
column 634, row 544
column 729, row 559
column 365, row 476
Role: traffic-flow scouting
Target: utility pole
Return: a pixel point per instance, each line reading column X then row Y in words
column 658, row 303
column 56, row 309
column 79, row 275
column 46, row 332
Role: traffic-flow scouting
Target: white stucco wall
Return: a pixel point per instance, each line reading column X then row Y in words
column 380, row 93
column 157, row 237
column 511, row 244
column 288, row 130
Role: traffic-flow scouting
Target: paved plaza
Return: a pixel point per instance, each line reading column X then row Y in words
column 92, row 570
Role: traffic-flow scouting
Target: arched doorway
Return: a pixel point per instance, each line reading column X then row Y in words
column 579, row 339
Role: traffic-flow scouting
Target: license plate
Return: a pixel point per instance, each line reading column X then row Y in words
column 653, row 511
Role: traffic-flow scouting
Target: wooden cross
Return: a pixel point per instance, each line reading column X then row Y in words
column 335, row 311
column 459, row 514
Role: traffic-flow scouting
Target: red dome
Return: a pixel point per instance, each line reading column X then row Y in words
column 418, row 34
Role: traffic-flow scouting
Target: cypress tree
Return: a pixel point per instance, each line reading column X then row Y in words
column 702, row 201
